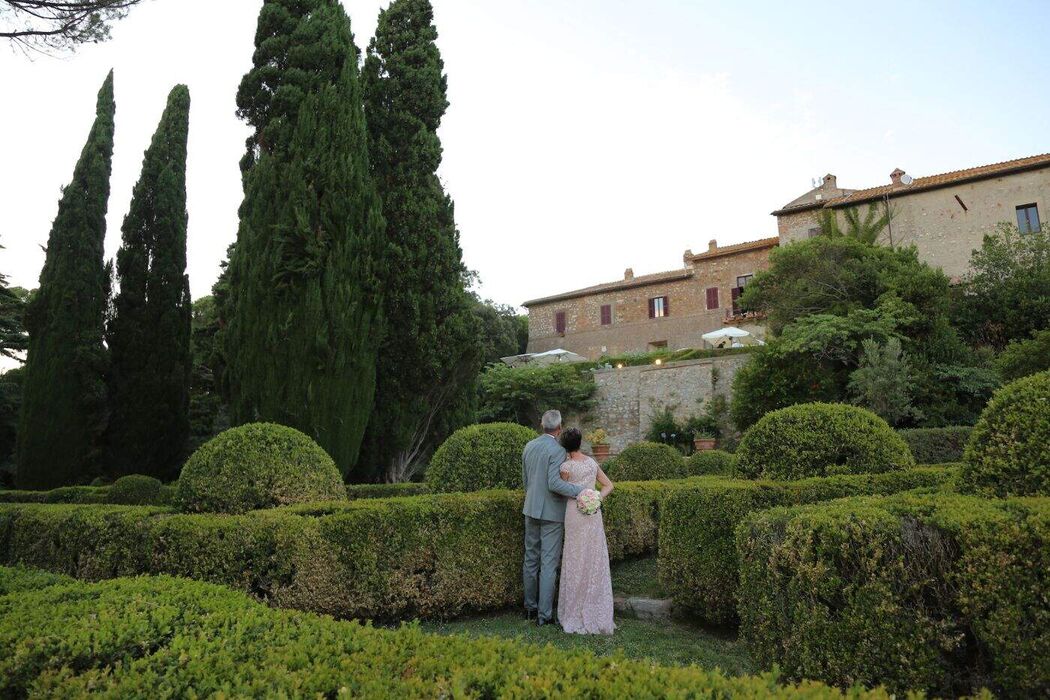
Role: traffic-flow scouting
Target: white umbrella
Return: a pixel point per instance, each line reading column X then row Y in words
column 558, row 355
column 549, row 357
column 729, row 333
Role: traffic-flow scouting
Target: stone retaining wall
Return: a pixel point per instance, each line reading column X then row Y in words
column 628, row 398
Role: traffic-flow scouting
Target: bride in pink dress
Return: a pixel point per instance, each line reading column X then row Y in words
column 585, row 600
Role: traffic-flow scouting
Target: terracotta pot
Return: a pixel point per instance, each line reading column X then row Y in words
column 600, row 453
column 703, row 444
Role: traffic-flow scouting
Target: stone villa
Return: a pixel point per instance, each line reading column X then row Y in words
column 663, row 310
column 945, row 216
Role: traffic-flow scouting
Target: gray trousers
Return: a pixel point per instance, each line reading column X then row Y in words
column 543, row 540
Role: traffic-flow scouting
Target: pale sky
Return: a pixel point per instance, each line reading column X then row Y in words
column 583, row 137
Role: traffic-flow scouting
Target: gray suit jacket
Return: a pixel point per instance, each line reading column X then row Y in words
column 545, row 490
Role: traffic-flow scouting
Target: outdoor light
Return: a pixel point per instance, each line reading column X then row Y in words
column 659, row 361
column 619, row 365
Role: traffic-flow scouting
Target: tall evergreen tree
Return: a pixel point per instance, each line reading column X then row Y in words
column 429, row 358
column 64, row 394
column 304, row 296
column 149, row 336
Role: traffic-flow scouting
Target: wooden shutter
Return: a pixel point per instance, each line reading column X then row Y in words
column 559, row 322
column 606, row 314
column 667, row 306
column 712, row 297
column 652, row 308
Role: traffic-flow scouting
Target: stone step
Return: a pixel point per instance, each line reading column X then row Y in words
column 644, row 608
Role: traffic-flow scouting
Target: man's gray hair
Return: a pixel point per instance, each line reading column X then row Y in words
column 551, row 421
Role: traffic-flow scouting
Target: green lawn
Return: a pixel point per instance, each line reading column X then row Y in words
column 677, row 642
column 637, row 577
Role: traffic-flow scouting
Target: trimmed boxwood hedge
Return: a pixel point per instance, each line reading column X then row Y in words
column 703, row 462
column 258, row 465
column 1009, row 450
column 937, row 445
column 943, row 593
column 395, row 558
column 820, row 439
column 698, row 559
column 149, row 637
column 63, row 494
column 14, row 579
column 645, row 461
column 479, row 457
column 139, row 490
column 356, row 491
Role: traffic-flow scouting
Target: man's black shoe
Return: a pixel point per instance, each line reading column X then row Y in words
column 540, row 622
column 530, row 615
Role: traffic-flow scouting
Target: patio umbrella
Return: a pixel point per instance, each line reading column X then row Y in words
column 549, row 357
column 730, row 334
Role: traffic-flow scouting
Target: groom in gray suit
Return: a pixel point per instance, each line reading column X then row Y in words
column 544, row 511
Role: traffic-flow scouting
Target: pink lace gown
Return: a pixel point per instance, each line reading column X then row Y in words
column 585, row 600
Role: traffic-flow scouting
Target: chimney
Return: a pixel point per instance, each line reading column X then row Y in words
column 830, row 182
column 628, row 274
column 712, row 245
column 687, row 257
column 896, row 175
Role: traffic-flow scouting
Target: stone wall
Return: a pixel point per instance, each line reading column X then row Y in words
column 628, row 398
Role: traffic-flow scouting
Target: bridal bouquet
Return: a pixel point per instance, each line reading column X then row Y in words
column 589, row 501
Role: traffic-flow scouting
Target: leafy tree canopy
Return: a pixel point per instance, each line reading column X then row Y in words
column 13, row 337
column 1023, row 357
column 836, row 275
column 1006, row 295
column 827, row 296
column 522, row 394
column 45, row 25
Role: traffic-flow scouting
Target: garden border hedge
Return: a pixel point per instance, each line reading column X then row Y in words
column 165, row 636
column 395, row 558
column 406, row 488
column 697, row 554
column 63, row 494
column 939, row 592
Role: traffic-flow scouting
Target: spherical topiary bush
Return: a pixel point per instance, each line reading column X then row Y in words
column 710, row 462
column 477, row 457
column 820, row 439
column 646, row 461
column 138, row 490
column 1009, row 449
column 258, row 465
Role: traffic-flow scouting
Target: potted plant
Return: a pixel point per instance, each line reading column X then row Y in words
column 599, row 440
column 704, row 430
column 704, row 441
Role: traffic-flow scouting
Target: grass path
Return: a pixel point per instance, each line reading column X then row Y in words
column 676, row 642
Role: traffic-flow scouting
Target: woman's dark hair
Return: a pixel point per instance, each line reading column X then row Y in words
column 571, row 439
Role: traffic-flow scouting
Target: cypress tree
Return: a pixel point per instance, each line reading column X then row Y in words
column 64, row 396
column 429, row 359
column 149, row 336
column 304, row 297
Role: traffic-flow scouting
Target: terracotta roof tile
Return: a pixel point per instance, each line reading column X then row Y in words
column 639, row 281
column 738, row 248
column 658, row 277
column 942, row 180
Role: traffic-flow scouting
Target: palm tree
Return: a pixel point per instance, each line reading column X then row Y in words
column 866, row 229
